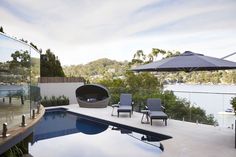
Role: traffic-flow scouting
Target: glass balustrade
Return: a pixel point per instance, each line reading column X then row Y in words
column 19, row 72
column 215, row 104
column 197, row 106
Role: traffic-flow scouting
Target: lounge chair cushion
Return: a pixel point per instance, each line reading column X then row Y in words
column 157, row 115
column 124, row 109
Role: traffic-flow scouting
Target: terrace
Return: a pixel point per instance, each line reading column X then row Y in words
column 189, row 139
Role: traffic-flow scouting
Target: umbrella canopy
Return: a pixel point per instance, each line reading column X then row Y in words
column 187, row 61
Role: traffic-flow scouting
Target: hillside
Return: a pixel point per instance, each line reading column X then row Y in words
column 106, row 68
column 97, row 69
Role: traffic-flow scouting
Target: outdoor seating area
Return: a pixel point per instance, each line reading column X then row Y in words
column 121, row 78
column 92, row 96
column 154, row 108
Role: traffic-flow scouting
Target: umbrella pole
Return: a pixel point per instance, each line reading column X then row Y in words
column 190, row 114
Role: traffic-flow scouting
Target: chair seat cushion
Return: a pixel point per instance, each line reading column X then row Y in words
column 157, row 115
column 124, row 109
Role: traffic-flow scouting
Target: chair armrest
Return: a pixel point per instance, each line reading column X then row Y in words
column 146, row 108
column 115, row 105
column 132, row 105
column 163, row 108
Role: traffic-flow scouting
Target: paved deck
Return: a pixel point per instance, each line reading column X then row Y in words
column 189, row 139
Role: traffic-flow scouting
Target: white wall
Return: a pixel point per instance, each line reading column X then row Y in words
column 59, row 89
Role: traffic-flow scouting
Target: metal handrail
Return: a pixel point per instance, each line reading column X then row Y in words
column 14, row 38
column 202, row 92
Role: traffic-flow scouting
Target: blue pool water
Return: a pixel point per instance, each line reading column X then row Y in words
column 63, row 134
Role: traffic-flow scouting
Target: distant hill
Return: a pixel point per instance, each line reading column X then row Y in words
column 96, row 69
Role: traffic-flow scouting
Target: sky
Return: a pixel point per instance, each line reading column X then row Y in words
column 85, row 30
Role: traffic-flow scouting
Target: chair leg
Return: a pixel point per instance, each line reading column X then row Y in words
column 130, row 114
column 22, row 100
column 151, row 121
column 112, row 111
column 118, row 114
column 166, row 122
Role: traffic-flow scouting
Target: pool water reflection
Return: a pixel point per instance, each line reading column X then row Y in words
column 64, row 134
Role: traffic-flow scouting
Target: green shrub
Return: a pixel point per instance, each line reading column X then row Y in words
column 233, row 103
column 145, row 85
column 55, row 101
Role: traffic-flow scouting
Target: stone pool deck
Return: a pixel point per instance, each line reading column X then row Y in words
column 189, row 139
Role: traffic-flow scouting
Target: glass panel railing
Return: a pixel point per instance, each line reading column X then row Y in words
column 214, row 99
column 35, row 74
column 15, row 80
column 197, row 107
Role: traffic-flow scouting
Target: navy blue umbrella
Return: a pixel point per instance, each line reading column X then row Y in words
column 187, row 61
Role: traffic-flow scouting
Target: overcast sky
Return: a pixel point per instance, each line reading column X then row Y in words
column 79, row 31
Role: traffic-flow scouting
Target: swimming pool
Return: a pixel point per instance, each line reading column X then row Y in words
column 61, row 133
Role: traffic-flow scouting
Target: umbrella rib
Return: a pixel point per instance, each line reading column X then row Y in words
column 193, row 69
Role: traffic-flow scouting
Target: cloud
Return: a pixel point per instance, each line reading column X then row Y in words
column 81, row 31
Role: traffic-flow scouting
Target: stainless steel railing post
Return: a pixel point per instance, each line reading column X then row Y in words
column 23, row 124
column 4, row 131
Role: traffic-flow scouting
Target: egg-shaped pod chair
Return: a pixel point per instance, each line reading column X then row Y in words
column 92, row 96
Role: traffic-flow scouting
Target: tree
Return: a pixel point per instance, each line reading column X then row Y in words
column 1, row 30
column 139, row 57
column 20, row 65
column 20, row 59
column 156, row 52
column 50, row 66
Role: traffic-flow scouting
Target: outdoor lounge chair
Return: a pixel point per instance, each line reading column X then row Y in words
column 155, row 110
column 125, row 104
column 92, row 96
